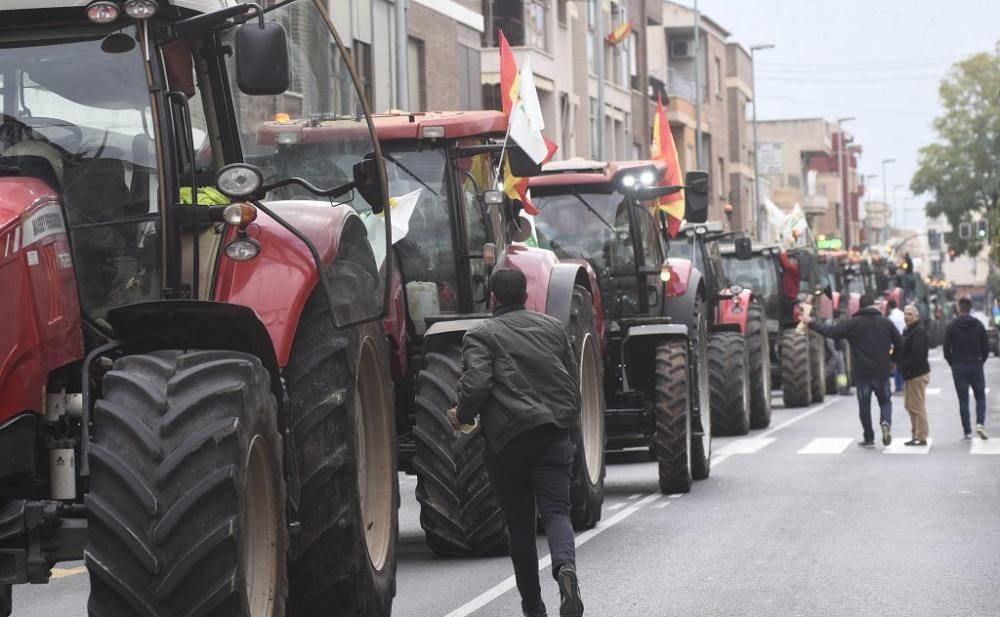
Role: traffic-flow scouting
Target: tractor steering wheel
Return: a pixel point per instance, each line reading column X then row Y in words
column 14, row 131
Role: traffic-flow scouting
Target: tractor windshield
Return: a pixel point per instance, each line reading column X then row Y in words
column 591, row 226
column 756, row 273
column 76, row 114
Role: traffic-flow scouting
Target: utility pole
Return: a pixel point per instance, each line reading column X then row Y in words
column 867, row 225
column 697, row 86
column 599, row 65
column 402, row 51
column 761, row 227
column 841, row 166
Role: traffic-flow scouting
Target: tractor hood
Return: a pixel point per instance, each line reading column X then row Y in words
column 17, row 195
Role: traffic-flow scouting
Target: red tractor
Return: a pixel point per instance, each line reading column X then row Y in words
column 740, row 371
column 441, row 168
column 597, row 214
column 194, row 383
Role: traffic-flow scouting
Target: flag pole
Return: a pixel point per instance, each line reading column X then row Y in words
column 503, row 149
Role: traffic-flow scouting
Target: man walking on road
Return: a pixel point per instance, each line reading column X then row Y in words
column 966, row 349
column 916, row 371
column 897, row 319
column 875, row 345
column 519, row 376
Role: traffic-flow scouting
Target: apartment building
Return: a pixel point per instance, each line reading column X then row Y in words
column 443, row 51
column 800, row 159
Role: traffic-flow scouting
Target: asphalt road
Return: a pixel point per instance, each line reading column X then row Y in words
column 796, row 520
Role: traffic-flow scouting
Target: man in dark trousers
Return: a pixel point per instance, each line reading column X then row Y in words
column 875, row 344
column 519, row 376
column 966, row 349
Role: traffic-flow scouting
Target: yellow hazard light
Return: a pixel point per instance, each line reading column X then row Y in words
column 239, row 214
column 282, row 118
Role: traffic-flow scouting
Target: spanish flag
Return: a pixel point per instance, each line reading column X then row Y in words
column 620, row 34
column 663, row 149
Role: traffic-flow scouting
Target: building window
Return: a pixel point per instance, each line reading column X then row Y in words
column 591, row 37
column 536, row 20
column 561, row 12
column 362, row 55
column 633, row 61
column 718, row 77
column 722, row 178
column 565, row 125
column 415, row 67
column 470, row 91
column 594, row 119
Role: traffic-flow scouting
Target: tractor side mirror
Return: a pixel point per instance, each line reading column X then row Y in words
column 262, row 59
column 519, row 229
column 696, row 202
column 368, row 183
column 744, row 249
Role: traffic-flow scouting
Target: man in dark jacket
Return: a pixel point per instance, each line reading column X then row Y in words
column 519, row 376
column 875, row 344
column 966, row 349
column 916, row 371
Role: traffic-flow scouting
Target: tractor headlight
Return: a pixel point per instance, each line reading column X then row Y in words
column 239, row 180
column 141, row 9
column 102, row 12
column 243, row 249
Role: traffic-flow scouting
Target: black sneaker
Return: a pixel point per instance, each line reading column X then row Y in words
column 886, row 434
column 538, row 612
column 867, row 443
column 915, row 442
column 571, row 605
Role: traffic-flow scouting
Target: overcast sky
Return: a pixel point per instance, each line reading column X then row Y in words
column 878, row 60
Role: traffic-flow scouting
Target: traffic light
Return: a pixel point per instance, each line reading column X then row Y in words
column 965, row 231
column 982, row 229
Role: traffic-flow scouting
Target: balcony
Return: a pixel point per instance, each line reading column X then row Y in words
column 679, row 84
column 815, row 204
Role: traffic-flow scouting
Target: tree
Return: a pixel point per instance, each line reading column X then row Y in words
column 961, row 171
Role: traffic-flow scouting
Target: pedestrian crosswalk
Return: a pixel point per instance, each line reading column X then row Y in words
column 826, row 445
column 838, row 445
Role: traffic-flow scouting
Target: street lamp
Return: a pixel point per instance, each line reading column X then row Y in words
column 885, row 191
column 756, row 166
column 868, row 229
column 841, row 163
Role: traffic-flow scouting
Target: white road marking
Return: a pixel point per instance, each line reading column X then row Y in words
column 661, row 505
column 676, row 496
column 617, row 506
column 801, row 416
column 826, row 445
column 897, row 447
column 747, row 445
column 64, row 572
column 634, row 497
column 933, row 391
column 507, row 584
column 979, row 446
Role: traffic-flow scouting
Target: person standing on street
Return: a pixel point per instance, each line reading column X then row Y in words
column 966, row 349
column 875, row 345
column 916, row 371
column 897, row 319
column 519, row 377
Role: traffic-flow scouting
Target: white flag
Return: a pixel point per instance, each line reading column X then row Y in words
column 526, row 122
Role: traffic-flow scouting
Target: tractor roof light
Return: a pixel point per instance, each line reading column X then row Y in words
column 103, row 12
column 141, row 9
column 628, row 181
column 239, row 181
column 432, row 132
column 647, row 178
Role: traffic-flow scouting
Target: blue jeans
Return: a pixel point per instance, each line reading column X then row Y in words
column 883, row 393
column 966, row 375
column 898, row 377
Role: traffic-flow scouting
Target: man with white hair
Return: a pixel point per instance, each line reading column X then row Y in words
column 916, row 370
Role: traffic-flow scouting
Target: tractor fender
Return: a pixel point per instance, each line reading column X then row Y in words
column 563, row 278
column 639, row 351
column 537, row 265
column 825, row 308
column 447, row 331
column 682, row 290
column 279, row 281
column 732, row 312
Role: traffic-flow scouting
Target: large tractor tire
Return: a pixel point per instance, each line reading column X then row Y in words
column 343, row 558
column 673, row 416
column 817, row 367
column 186, row 508
column 830, row 369
column 701, row 420
column 729, row 383
column 587, row 488
column 759, row 357
column 459, row 513
column 795, row 374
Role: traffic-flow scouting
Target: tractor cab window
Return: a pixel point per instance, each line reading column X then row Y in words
column 757, row 273
column 590, row 226
column 476, row 175
column 317, row 131
column 424, row 244
column 78, row 118
column 651, row 250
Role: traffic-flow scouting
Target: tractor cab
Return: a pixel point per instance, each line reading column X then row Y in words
column 762, row 273
column 589, row 212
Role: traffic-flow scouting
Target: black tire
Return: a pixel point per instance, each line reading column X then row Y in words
column 587, row 488
column 830, row 371
column 729, row 384
column 673, row 418
column 759, row 356
column 6, row 600
column 337, row 416
column 817, row 367
column 459, row 513
column 701, row 418
column 795, row 374
column 187, row 497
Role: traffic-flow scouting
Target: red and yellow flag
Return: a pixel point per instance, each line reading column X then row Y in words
column 664, row 149
column 620, row 34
